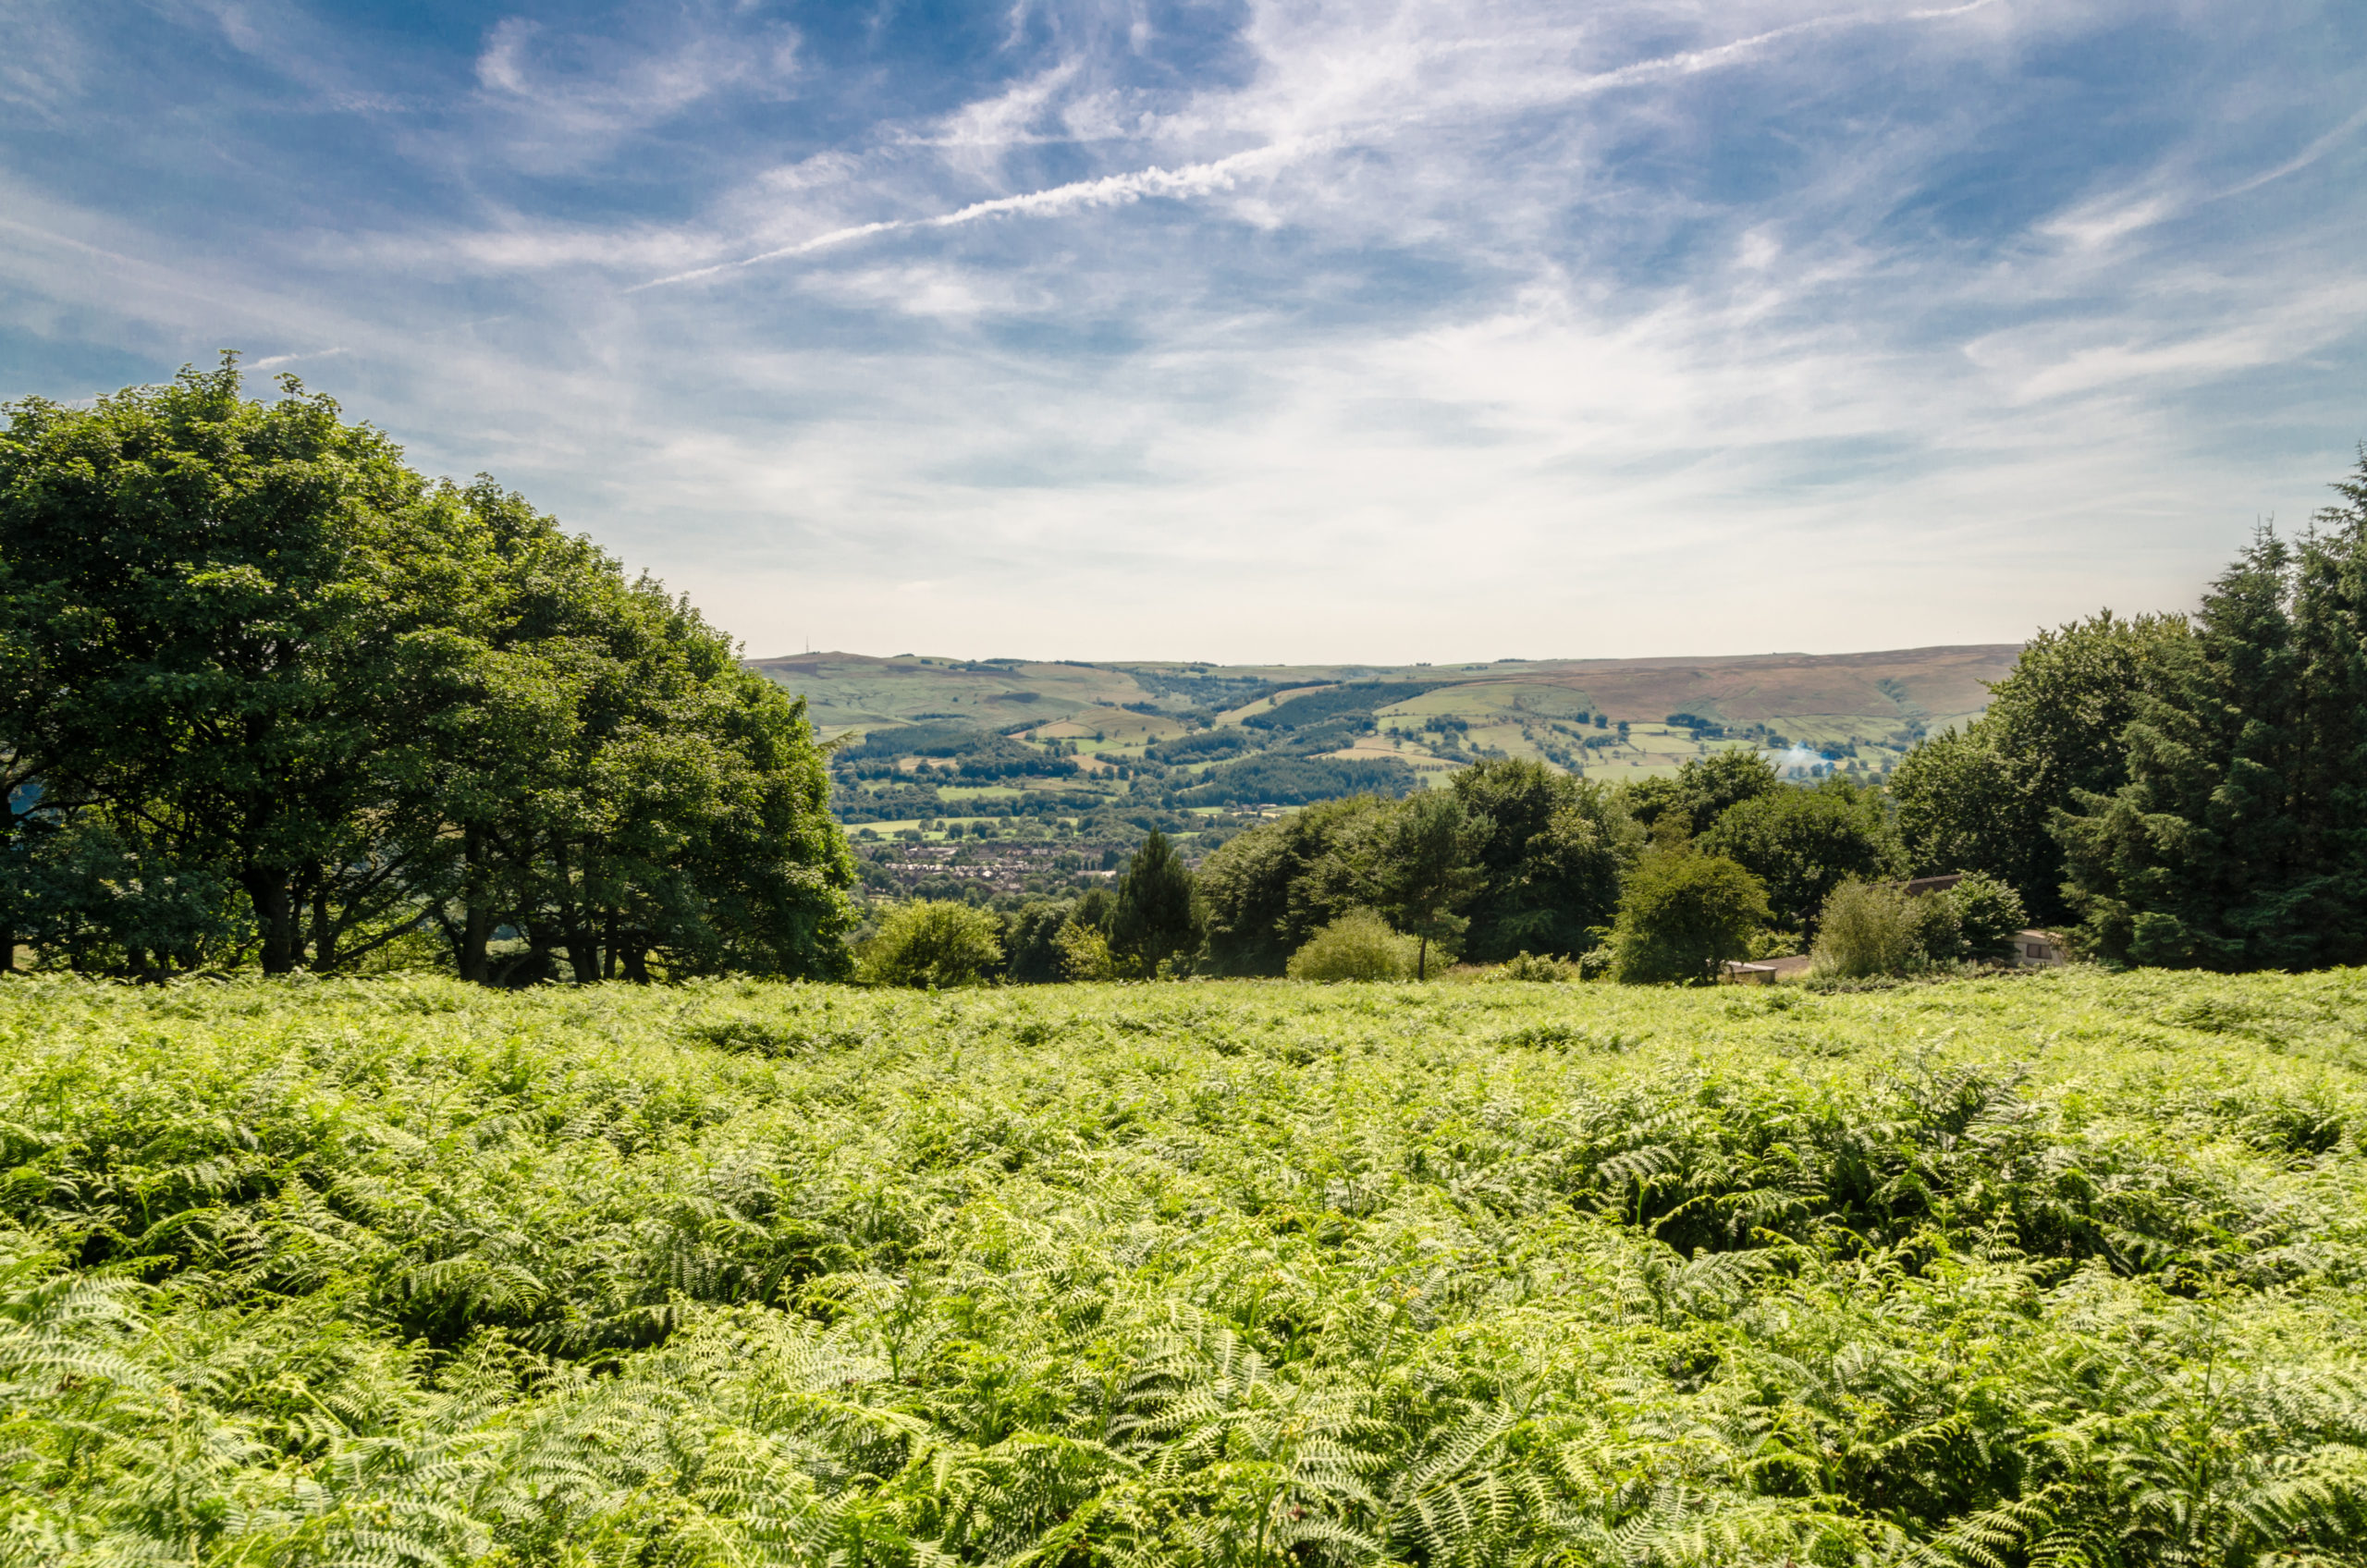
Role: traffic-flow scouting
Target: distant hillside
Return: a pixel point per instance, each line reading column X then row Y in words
column 1000, row 739
column 1881, row 699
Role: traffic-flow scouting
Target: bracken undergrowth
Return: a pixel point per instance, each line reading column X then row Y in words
column 2063, row 1269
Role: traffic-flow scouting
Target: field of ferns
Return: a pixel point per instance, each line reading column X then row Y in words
column 2065, row 1268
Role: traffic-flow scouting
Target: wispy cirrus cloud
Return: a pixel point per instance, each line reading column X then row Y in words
column 1284, row 328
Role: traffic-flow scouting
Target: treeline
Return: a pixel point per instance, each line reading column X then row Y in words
column 269, row 696
column 2169, row 791
column 2192, row 792
column 1511, row 858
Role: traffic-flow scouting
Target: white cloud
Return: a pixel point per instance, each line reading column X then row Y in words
column 1417, row 330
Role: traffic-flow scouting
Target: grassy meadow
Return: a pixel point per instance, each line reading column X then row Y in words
column 2062, row 1267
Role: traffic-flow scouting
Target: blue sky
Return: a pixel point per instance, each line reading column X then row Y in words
column 1257, row 331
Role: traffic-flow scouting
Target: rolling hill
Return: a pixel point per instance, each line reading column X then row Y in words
column 929, row 739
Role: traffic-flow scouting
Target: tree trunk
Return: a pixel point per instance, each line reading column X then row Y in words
column 636, row 966
column 324, row 935
column 476, row 931
column 608, row 946
column 539, row 942
column 275, row 911
column 1422, row 961
column 583, row 949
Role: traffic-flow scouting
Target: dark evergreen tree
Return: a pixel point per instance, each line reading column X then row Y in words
column 1986, row 798
column 2240, row 840
column 1156, row 916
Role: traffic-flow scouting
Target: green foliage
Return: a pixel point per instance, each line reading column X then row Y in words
column 1871, row 928
column 1803, row 842
column 1988, row 916
column 1529, row 967
column 1423, row 866
column 1085, row 953
column 1268, row 891
column 1883, row 930
column 1551, row 858
column 2063, row 1268
column 109, row 902
column 2239, row 839
column 1157, row 915
column 1986, row 799
column 1296, row 780
column 1031, row 940
column 307, row 702
column 1683, row 915
column 933, row 942
column 1702, row 791
column 1360, row 945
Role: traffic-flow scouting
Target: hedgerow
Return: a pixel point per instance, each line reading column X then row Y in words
column 2063, row 1268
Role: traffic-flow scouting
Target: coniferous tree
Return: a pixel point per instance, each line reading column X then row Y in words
column 1156, row 916
column 1984, row 797
column 2240, row 840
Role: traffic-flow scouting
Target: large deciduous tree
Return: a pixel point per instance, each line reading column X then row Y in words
column 1682, row 914
column 1268, row 891
column 1425, row 867
column 207, row 608
column 1803, row 842
column 1551, row 858
column 241, row 645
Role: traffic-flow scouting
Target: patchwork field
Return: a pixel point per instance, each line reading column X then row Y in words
column 1879, row 698
column 2059, row 1268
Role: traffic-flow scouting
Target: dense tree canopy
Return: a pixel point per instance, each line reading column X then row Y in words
column 265, row 691
column 1422, row 866
column 1803, row 842
column 1550, row 859
column 2239, row 839
column 1268, row 891
column 1986, row 798
column 1682, row 914
column 1702, row 792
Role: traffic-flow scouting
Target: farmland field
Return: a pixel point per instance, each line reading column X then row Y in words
column 2052, row 1268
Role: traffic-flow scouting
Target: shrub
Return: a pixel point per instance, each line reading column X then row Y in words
column 933, row 942
column 1682, row 914
column 1869, row 928
column 1526, row 965
column 1085, row 953
column 1886, row 932
column 1988, row 914
column 1357, row 946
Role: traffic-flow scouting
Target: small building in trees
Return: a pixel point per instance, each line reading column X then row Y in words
column 2040, row 949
